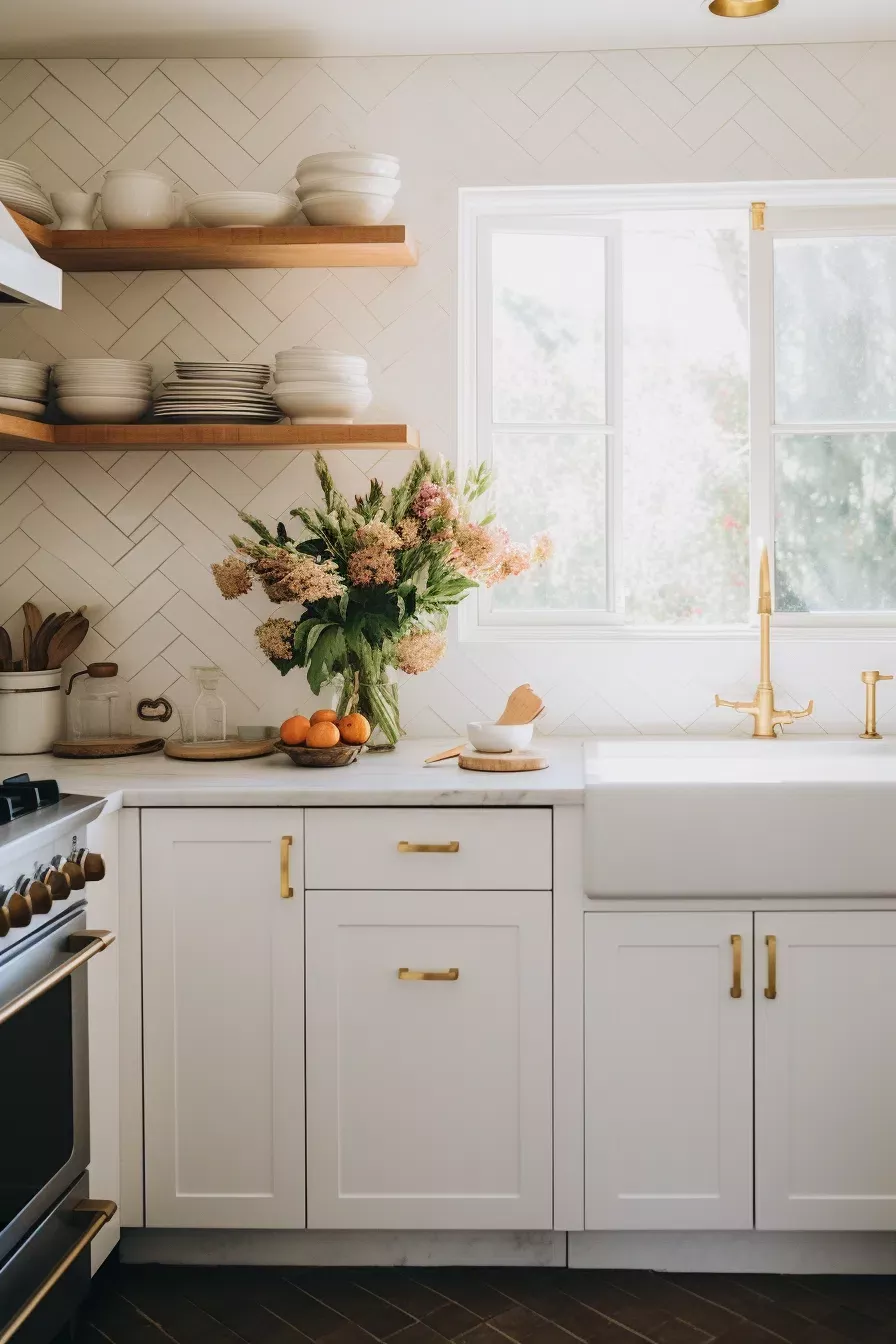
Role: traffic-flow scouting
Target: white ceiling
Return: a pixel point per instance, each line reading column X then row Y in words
column 413, row 27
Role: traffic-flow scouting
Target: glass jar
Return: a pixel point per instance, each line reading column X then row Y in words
column 209, row 710
column 100, row 705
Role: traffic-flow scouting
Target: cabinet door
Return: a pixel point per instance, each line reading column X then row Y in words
column 825, row 1076
column 429, row 1099
column 223, row 1019
column 668, row 1072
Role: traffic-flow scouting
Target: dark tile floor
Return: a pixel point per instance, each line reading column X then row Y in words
column 155, row 1304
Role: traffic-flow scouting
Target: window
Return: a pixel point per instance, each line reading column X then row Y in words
column 660, row 384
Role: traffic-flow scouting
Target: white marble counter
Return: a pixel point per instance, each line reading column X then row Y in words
column 393, row 779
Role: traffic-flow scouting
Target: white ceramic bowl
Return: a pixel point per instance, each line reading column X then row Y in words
column 27, row 407
column 312, row 359
column 114, row 365
column 349, row 161
column 98, row 408
column 500, row 736
column 240, row 209
column 294, row 376
column 346, row 207
column 310, row 183
column 134, row 199
column 24, row 366
column 327, row 402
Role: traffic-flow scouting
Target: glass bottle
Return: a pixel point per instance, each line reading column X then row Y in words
column 209, row 710
column 100, row 705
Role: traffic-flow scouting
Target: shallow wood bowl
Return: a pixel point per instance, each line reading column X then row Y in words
column 319, row 756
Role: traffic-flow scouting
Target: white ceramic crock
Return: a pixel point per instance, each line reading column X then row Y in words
column 133, row 199
column 75, row 208
column 31, row 712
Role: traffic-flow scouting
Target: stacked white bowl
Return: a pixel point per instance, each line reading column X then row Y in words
column 19, row 191
column 23, row 388
column 320, row 386
column 103, row 391
column 347, row 186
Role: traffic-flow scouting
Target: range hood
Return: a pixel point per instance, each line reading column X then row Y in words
column 25, row 278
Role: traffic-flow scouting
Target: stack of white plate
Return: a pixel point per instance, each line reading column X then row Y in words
column 347, row 186
column 19, row 191
column 321, row 386
column 23, row 387
column 213, row 392
column 103, row 391
column 241, row 209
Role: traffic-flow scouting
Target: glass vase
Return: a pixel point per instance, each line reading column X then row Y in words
column 376, row 697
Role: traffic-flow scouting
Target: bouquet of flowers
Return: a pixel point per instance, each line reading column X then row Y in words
column 377, row 579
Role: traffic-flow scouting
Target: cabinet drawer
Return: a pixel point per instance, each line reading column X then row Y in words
column 376, row 847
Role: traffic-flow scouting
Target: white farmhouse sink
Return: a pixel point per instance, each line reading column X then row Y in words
column 796, row 816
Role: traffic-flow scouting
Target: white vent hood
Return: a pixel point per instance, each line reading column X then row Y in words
column 24, row 276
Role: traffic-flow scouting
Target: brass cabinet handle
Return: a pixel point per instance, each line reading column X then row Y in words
column 737, row 957
column 771, row 989
column 90, row 941
column 286, row 891
column 449, row 847
column 404, row 974
column 103, row 1211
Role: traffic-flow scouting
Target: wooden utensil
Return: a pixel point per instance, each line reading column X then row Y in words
column 39, row 642
column 5, row 650
column 33, row 618
column 26, row 647
column 66, row 640
column 523, row 705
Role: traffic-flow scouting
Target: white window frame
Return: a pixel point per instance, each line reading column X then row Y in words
column 594, row 210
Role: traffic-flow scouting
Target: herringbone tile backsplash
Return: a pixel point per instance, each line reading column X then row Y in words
column 132, row 534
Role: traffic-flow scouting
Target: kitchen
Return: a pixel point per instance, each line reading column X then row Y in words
column 307, row 1120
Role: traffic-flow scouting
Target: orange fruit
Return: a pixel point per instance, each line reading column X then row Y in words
column 354, row 729
column 294, row 730
column 322, row 734
column 325, row 716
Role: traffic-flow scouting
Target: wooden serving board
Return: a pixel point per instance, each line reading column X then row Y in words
column 95, row 748
column 231, row 749
column 501, row 761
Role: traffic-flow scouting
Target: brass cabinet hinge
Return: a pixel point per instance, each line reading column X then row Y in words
column 757, row 215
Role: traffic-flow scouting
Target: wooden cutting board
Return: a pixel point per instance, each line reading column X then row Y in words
column 231, row 749
column 505, row 762
column 95, row 748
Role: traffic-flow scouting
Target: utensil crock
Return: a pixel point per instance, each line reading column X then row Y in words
column 31, row 711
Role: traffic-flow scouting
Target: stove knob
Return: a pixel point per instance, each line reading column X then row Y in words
column 73, row 871
column 58, row 882
column 36, row 893
column 93, row 865
column 5, row 921
column 18, row 907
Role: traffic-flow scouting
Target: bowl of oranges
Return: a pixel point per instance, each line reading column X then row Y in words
column 323, row 740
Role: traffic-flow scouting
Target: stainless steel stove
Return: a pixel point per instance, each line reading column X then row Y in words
column 47, row 1217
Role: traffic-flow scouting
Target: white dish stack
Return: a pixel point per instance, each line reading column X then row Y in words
column 23, row 388
column 20, row 192
column 103, row 391
column 347, row 186
column 217, row 393
column 321, row 386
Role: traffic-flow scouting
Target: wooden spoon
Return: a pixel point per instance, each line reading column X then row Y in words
column 26, row 647
column 33, row 618
column 39, row 641
column 66, row 640
column 5, row 651
column 523, row 706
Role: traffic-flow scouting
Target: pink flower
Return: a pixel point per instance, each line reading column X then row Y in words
column 419, row 651
column 474, row 550
column 434, row 501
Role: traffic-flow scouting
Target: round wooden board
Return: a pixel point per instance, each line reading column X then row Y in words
column 231, row 749
column 505, row 762
column 95, row 748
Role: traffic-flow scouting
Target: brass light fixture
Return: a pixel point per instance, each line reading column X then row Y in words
column 741, row 9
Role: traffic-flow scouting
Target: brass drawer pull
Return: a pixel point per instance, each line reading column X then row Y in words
column 771, row 989
column 737, row 954
column 452, row 974
column 286, row 891
column 449, row 847
column 85, row 945
column 103, row 1211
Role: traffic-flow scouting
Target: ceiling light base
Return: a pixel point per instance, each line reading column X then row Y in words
column 741, row 9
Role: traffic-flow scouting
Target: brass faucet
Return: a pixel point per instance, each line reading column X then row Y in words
column 765, row 716
column 871, row 679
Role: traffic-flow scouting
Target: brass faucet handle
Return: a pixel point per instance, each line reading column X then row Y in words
column 871, row 678
column 802, row 713
column 743, row 706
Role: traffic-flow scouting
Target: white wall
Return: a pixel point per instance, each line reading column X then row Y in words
column 132, row 534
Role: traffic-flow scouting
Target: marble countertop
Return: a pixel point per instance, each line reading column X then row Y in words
column 392, row 779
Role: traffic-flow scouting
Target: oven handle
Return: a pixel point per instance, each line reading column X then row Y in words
column 103, row 1211
column 85, row 945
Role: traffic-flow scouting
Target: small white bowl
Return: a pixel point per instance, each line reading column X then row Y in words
column 101, row 408
column 322, row 402
column 500, row 736
column 346, row 207
column 242, row 209
column 366, row 183
column 349, row 161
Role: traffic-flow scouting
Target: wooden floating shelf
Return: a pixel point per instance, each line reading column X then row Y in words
column 213, row 249
column 20, row 433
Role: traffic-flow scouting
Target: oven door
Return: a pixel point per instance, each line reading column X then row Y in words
column 43, row 1048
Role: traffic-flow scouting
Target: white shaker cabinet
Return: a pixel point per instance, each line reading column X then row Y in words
column 826, row 1071
column 429, row 1059
column 223, row 1017
column 668, row 1071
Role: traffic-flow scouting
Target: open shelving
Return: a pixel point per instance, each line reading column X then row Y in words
column 287, row 247
column 16, row 432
